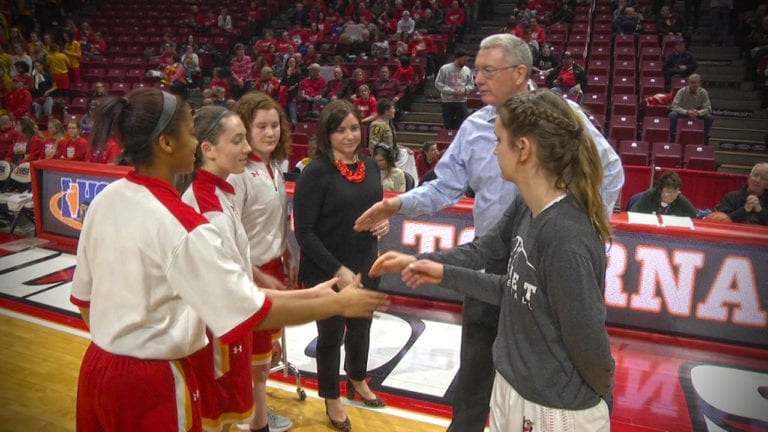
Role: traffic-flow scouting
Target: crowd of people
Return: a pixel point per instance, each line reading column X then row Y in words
column 220, row 278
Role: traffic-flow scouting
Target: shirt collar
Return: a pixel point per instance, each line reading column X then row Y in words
column 210, row 178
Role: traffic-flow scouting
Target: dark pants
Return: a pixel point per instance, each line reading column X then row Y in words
column 453, row 114
column 330, row 333
column 474, row 381
column 674, row 115
column 720, row 25
column 692, row 10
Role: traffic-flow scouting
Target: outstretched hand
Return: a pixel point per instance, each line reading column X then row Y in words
column 422, row 272
column 377, row 213
column 390, row 262
column 361, row 302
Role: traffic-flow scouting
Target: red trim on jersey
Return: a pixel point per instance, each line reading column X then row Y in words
column 247, row 325
column 79, row 303
column 204, row 189
column 256, row 158
column 170, row 198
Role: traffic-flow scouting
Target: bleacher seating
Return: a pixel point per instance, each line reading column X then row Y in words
column 667, row 155
column 699, row 157
column 633, row 152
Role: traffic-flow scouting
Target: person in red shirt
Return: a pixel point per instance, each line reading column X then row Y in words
column 268, row 83
column 427, row 158
column 32, row 148
column 104, row 155
column 409, row 81
column 366, row 104
column 454, row 17
column 219, row 81
column 311, row 88
column 9, row 136
column 568, row 78
column 18, row 101
column 74, row 147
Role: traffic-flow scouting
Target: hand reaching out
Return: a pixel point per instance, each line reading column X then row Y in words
column 390, row 262
column 422, row 272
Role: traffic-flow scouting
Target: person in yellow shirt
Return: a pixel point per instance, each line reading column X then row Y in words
column 73, row 53
column 59, row 64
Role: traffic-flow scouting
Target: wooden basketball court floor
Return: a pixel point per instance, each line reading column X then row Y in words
column 663, row 383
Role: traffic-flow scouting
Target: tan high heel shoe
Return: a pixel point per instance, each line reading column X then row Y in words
column 371, row 403
column 341, row 426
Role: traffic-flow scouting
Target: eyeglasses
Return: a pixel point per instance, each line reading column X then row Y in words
column 489, row 72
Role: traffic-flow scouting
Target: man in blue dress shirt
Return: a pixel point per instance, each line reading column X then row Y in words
column 502, row 69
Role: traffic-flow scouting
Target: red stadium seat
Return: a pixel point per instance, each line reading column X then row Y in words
column 656, row 129
column 444, row 138
column 623, row 104
column 690, row 131
column 598, row 67
column 668, row 155
column 624, row 41
column 699, row 157
column 650, row 54
column 624, row 53
column 624, row 86
column 623, row 128
column 597, row 83
column 633, row 152
column 595, row 103
column 650, row 86
column 77, row 106
column 600, row 53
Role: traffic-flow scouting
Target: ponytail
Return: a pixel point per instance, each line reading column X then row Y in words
column 564, row 149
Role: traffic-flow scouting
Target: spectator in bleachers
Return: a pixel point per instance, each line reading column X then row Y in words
column 56, row 134
column 512, row 27
column 537, row 30
column 299, row 15
column 98, row 47
column 6, row 60
column 22, row 71
column 240, row 69
column 218, row 80
column 338, row 87
column 409, row 82
column 546, row 60
column 568, row 79
column 59, row 65
column 406, row 24
column 15, row 37
column 533, row 44
column 86, row 36
column 34, row 147
column 18, row 101
column 262, row 44
column 199, row 20
column 168, row 40
column 106, row 154
column 191, row 63
column 224, row 21
column 680, row 62
column 561, row 13
column 6, row 83
column 98, row 94
column 291, row 79
column 285, row 44
column 427, row 158
column 627, row 23
column 692, row 102
column 42, row 88
column 437, row 11
column 268, row 83
column 47, row 42
column 385, row 87
column 427, row 22
column 73, row 147
column 166, row 56
column 74, row 54
column 366, row 104
column 392, row 177
column 750, row 203
column 175, row 75
column 86, row 121
column 380, row 46
column 455, row 18
column 454, row 81
column 9, row 136
column 665, row 198
column 382, row 131
column 670, row 22
column 311, row 88
column 358, row 79
column 19, row 55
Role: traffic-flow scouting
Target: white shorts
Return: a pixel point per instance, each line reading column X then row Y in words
column 510, row 412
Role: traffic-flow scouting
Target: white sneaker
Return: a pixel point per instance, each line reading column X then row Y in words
column 277, row 423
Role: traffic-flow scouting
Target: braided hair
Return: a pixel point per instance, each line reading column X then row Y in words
column 563, row 148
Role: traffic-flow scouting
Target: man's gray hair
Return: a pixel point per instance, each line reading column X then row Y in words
column 515, row 49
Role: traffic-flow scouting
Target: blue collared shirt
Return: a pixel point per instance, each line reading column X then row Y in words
column 469, row 161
